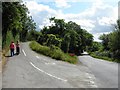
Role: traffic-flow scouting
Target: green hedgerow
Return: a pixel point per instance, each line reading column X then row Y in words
column 54, row 52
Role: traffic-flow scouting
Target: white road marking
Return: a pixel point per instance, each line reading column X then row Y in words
column 50, row 63
column 48, row 73
column 91, row 81
column 40, row 59
column 94, row 86
column 37, row 57
column 89, row 77
column 23, row 52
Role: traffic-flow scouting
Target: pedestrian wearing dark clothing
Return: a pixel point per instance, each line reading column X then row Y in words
column 12, row 47
column 17, row 48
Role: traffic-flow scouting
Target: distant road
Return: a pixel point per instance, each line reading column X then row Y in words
column 105, row 72
column 31, row 70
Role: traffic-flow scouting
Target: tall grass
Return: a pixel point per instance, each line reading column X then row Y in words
column 55, row 53
column 103, row 55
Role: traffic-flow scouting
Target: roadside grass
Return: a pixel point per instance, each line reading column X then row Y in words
column 103, row 57
column 55, row 53
column 4, row 58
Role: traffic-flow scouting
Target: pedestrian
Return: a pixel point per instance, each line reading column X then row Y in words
column 17, row 48
column 12, row 47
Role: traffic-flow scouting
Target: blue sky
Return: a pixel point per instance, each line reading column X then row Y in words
column 96, row 16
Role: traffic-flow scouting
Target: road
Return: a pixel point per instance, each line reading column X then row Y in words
column 106, row 72
column 31, row 70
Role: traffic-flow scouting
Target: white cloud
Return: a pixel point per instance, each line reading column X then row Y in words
column 46, row 22
column 32, row 5
column 62, row 4
column 86, row 24
column 104, row 21
column 97, row 35
column 94, row 19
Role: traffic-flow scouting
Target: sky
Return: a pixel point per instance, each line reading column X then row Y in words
column 96, row 16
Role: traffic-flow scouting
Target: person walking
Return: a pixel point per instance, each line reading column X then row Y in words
column 12, row 47
column 17, row 48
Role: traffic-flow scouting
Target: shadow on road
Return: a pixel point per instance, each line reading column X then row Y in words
column 10, row 55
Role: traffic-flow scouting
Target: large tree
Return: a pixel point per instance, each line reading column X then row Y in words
column 15, row 22
column 74, row 39
column 115, row 41
column 111, row 41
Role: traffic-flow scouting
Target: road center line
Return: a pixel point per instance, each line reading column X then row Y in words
column 50, row 63
column 23, row 52
column 48, row 73
column 37, row 57
column 92, row 82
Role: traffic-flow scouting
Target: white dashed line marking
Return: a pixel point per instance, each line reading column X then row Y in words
column 37, row 57
column 50, row 63
column 23, row 52
column 89, row 77
column 94, row 86
column 48, row 73
column 92, row 82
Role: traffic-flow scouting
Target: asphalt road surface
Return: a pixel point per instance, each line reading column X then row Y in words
column 106, row 72
column 32, row 70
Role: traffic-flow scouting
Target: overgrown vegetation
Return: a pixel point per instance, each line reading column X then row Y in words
column 69, row 37
column 16, row 23
column 62, row 37
column 110, row 49
column 54, row 52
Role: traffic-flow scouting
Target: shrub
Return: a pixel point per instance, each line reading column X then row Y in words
column 106, row 55
column 54, row 52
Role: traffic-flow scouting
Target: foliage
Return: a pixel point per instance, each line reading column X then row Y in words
column 33, row 35
column 55, row 53
column 114, row 43
column 105, row 41
column 15, row 22
column 70, row 36
column 111, row 44
column 106, row 55
column 99, row 56
column 52, row 40
column 96, row 46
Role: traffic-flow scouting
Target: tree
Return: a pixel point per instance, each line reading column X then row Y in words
column 33, row 35
column 96, row 46
column 74, row 39
column 111, row 41
column 115, row 41
column 105, row 41
column 15, row 22
column 28, row 26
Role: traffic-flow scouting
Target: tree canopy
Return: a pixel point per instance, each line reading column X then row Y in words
column 16, row 23
column 111, row 41
column 73, row 38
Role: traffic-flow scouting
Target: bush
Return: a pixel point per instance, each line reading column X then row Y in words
column 103, row 54
column 106, row 55
column 54, row 52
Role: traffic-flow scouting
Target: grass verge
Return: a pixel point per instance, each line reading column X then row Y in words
column 104, row 58
column 3, row 56
column 55, row 53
